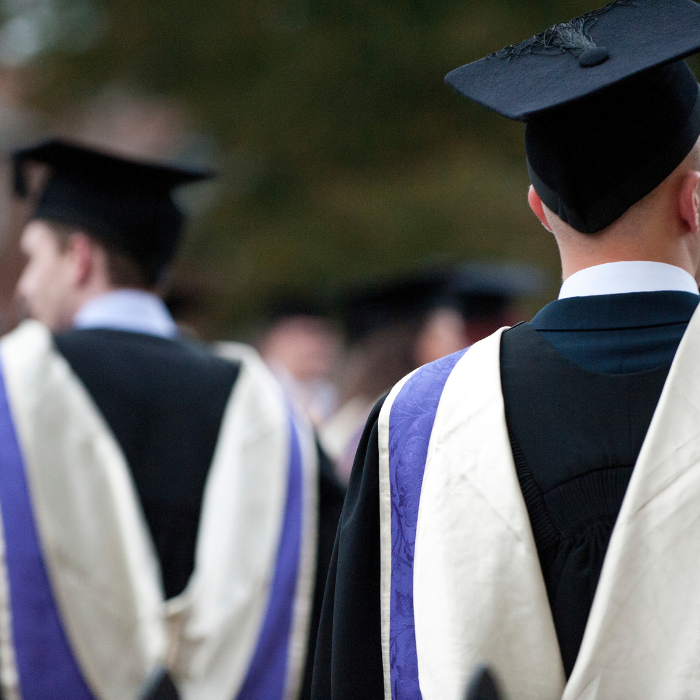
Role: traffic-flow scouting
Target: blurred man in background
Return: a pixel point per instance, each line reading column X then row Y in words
column 385, row 334
column 173, row 496
column 489, row 295
column 394, row 328
column 301, row 346
column 476, row 300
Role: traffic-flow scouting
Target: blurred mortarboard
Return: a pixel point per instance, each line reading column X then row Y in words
column 611, row 107
column 488, row 289
column 289, row 303
column 374, row 307
column 126, row 204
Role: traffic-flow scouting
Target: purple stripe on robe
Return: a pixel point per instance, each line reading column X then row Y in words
column 267, row 674
column 410, row 425
column 45, row 663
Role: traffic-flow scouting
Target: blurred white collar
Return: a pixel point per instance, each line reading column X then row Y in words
column 129, row 310
column 626, row 278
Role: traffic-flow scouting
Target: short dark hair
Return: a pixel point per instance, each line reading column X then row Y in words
column 123, row 270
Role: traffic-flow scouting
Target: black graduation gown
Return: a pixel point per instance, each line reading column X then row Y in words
column 574, row 340
column 164, row 400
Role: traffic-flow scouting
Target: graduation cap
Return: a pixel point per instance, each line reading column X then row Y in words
column 290, row 302
column 610, row 106
column 488, row 289
column 385, row 304
column 125, row 204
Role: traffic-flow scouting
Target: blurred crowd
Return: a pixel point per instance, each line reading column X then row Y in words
column 338, row 355
column 338, row 350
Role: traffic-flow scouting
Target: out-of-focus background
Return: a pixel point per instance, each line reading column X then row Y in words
column 351, row 177
column 342, row 153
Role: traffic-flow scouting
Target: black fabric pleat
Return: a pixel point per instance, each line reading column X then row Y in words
column 575, row 436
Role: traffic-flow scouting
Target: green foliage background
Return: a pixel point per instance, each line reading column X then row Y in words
column 343, row 153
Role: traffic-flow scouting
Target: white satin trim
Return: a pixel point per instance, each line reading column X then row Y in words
column 95, row 540
column 215, row 623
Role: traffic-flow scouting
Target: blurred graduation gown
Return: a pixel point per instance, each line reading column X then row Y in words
column 172, row 499
column 470, row 440
column 227, row 477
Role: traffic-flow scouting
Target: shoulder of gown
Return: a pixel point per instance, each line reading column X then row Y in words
column 348, row 662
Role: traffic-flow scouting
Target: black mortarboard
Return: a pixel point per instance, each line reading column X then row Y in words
column 611, row 109
column 126, row 204
column 289, row 302
column 488, row 289
column 371, row 308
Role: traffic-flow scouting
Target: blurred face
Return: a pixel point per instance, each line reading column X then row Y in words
column 443, row 333
column 46, row 287
column 306, row 347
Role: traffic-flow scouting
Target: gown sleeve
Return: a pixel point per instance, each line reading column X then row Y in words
column 331, row 495
column 348, row 663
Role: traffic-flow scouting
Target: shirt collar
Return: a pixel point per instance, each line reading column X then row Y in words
column 626, row 278
column 130, row 310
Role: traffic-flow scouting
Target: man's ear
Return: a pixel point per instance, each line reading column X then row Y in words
column 537, row 207
column 80, row 250
column 689, row 202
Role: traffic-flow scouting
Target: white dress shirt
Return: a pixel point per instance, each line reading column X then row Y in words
column 628, row 277
column 130, row 310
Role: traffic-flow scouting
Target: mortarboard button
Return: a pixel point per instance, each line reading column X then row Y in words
column 593, row 57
